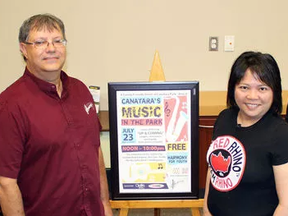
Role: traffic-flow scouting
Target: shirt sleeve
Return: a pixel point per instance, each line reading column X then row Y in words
column 11, row 142
column 280, row 147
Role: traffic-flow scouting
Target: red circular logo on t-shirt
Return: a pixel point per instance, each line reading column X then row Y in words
column 227, row 158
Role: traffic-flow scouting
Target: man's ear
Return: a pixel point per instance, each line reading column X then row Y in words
column 23, row 49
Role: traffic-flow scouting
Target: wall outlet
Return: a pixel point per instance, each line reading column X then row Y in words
column 213, row 43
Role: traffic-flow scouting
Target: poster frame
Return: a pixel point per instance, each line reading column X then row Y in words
column 193, row 88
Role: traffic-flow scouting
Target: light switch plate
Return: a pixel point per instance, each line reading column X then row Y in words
column 229, row 43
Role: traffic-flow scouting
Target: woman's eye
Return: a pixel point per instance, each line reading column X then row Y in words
column 243, row 87
column 263, row 89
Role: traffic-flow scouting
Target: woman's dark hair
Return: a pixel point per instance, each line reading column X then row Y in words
column 265, row 67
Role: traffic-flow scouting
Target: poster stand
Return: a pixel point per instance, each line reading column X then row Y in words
column 125, row 205
column 156, row 74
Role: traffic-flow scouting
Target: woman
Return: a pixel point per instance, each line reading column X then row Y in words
column 286, row 118
column 248, row 157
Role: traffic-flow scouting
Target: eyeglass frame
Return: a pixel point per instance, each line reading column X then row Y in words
column 62, row 41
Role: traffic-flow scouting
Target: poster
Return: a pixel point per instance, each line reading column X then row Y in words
column 154, row 141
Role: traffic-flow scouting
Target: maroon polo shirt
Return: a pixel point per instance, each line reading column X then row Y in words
column 50, row 145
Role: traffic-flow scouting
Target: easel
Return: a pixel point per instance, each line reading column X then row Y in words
column 125, row 205
column 156, row 74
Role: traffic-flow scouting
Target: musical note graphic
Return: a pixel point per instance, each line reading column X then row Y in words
column 167, row 111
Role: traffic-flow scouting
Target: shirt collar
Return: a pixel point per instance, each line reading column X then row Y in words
column 47, row 87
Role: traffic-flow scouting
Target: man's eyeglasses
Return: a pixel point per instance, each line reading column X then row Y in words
column 44, row 44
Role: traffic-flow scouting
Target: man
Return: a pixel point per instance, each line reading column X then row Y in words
column 51, row 163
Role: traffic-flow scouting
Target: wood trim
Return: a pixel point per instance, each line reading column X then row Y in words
column 103, row 116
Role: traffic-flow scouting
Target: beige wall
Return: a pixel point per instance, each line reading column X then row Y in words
column 115, row 40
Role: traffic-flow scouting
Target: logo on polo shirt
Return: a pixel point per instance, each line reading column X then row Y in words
column 227, row 158
column 87, row 107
